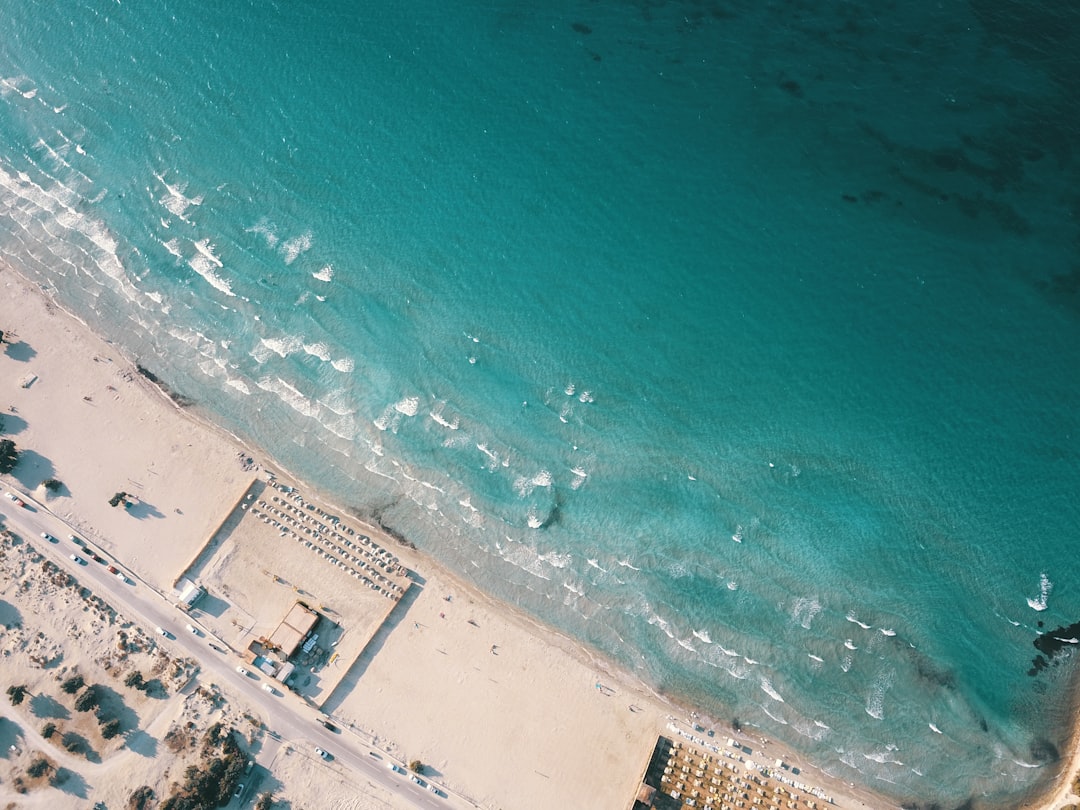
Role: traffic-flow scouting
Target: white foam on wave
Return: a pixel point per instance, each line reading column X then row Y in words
column 882, row 758
column 239, row 385
column 686, row 644
column 703, row 635
column 817, row 658
column 935, row 729
column 282, row 346
column 437, row 417
column 408, row 406
column 173, row 246
column 343, row 364
column 767, row 688
column 25, row 202
column 205, row 247
column 1045, row 586
column 579, row 477
column 175, row 200
column 325, row 273
column 575, row 588
column 850, row 645
column 626, row 564
column 290, row 395
column 776, row 719
column 851, row 618
column 524, row 486
column 534, row 519
column 318, row 349
column 886, row 632
column 595, row 563
column 804, row 610
column 657, row 620
column 292, row 248
column 205, row 268
column 265, row 229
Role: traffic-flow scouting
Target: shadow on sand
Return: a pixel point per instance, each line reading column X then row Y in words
column 10, row 617
column 11, row 424
column 143, row 510
column 371, row 649
column 141, row 743
column 70, row 782
column 20, row 351
column 48, row 708
column 32, row 469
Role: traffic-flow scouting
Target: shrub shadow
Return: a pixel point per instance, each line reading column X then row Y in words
column 143, row 510
column 141, row 743
column 10, row 735
column 11, row 423
column 21, row 351
column 70, row 781
column 32, row 468
column 10, row 617
column 48, row 708
column 111, row 704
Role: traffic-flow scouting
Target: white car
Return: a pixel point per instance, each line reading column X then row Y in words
column 324, row 754
column 163, row 631
column 120, row 576
column 49, row 537
column 242, row 671
column 192, row 629
column 77, row 559
column 268, row 688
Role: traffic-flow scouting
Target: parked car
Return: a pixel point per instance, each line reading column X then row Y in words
column 76, row 540
column 18, row 502
column 164, row 632
column 268, row 688
column 329, row 726
column 192, row 629
column 49, row 537
column 113, row 569
column 324, row 754
column 77, row 559
column 120, row 576
column 395, row 768
column 242, row 671
column 239, row 790
column 98, row 558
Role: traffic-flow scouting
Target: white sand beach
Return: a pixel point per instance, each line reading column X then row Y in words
column 504, row 712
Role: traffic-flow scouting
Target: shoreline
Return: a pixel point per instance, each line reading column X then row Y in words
column 662, row 707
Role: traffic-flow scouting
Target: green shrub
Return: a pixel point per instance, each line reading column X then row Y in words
column 88, row 699
column 72, row 684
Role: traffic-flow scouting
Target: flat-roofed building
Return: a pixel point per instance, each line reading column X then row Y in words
column 294, row 628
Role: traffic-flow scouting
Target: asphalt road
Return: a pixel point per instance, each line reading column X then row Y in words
column 290, row 720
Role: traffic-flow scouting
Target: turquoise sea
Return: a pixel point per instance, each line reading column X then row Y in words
column 738, row 340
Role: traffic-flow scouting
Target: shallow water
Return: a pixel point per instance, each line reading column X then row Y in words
column 736, row 340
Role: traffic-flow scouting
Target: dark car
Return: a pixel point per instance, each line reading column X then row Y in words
column 330, row 726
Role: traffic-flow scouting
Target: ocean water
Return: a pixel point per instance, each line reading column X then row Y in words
column 737, row 340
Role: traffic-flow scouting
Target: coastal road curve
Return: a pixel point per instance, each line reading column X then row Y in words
column 290, row 719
